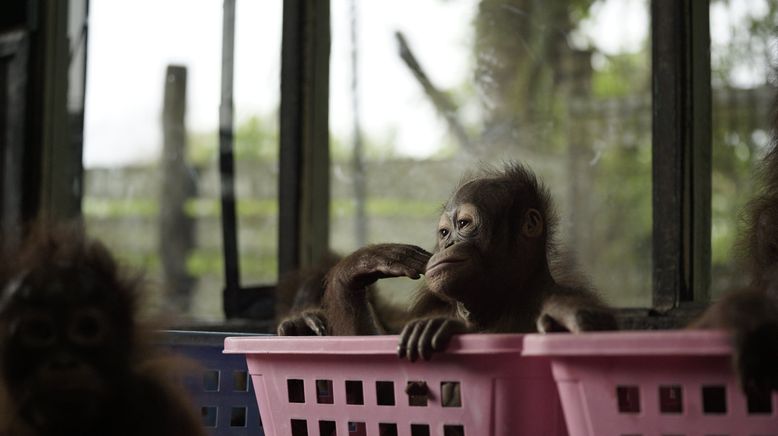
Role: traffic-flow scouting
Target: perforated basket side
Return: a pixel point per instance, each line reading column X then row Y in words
column 222, row 389
column 653, row 383
column 500, row 393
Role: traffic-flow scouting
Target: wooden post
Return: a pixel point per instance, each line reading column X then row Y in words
column 304, row 188
column 13, row 90
column 681, row 159
column 61, row 166
column 178, row 184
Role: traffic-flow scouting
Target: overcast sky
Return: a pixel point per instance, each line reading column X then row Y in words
column 131, row 43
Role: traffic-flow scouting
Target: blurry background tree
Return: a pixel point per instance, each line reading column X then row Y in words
column 522, row 66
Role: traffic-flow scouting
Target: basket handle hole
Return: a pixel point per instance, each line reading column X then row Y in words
column 628, row 398
column 240, row 381
column 387, row 429
column 418, row 392
column 299, row 427
column 670, row 399
column 450, row 394
column 760, row 403
column 324, row 394
column 295, row 390
column 209, row 414
column 238, row 417
column 420, row 430
column 211, row 380
column 384, row 393
column 354, row 394
column 327, row 428
column 453, row 430
column 357, row 429
column 714, row 399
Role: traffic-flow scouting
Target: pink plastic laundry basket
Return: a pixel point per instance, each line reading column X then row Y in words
column 652, row 384
column 357, row 386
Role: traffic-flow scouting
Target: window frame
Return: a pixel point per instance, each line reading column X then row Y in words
column 14, row 48
column 681, row 185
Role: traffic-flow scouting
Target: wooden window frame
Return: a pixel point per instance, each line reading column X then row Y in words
column 14, row 52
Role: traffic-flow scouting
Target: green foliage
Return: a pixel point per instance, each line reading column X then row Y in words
column 107, row 208
column 246, row 207
column 204, row 262
column 202, row 148
column 119, row 207
column 342, row 149
column 625, row 179
column 387, row 207
column 255, row 139
column 621, row 223
column 622, row 75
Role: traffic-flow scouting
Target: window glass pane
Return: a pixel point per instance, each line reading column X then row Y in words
column 257, row 99
column 152, row 188
column 743, row 44
column 562, row 86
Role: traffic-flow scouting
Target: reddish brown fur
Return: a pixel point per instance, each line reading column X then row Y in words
column 510, row 267
column 299, row 300
column 759, row 244
column 74, row 360
column 302, row 289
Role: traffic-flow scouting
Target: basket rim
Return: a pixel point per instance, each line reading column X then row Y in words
column 197, row 337
column 631, row 343
column 367, row 345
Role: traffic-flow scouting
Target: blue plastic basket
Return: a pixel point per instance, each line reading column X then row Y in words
column 223, row 392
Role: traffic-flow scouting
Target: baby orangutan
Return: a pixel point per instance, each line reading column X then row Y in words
column 489, row 272
column 72, row 358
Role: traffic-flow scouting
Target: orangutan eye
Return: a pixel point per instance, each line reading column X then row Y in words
column 463, row 223
column 443, row 233
column 88, row 328
column 37, row 331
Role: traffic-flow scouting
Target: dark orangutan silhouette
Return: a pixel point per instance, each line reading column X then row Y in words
column 74, row 361
column 751, row 314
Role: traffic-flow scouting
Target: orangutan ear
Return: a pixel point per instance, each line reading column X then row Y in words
column 533, row 224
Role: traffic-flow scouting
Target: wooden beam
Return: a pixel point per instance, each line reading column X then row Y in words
column 681, row 151
column 62, row 169
column 14, row 48
column 304, row 191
